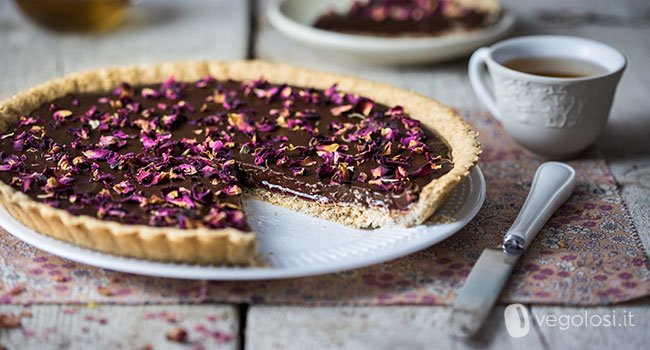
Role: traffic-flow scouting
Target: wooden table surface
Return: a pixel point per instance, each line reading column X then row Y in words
column 169, row 30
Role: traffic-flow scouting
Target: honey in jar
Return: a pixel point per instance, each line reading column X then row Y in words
column 75, row 15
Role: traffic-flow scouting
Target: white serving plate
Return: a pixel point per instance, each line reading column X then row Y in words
column 294, row 18
column 293, row 244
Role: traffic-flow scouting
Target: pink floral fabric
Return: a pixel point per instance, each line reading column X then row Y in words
column 589, row 253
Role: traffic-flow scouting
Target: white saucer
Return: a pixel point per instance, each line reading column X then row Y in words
column 293, row 244
column 294, row 19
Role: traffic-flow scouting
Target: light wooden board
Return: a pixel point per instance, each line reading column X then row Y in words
column 625, row 144
column 153, row 31
column 46, row 327
column 619, row 327
column 425, row 327
column 359, row 328
column 169, row 30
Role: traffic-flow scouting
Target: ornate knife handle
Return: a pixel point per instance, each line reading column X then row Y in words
column 552, row 185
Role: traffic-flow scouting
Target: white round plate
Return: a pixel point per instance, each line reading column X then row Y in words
column 293, row 244
column 294, row 18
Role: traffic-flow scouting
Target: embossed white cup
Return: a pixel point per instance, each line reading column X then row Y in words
column 553, row 117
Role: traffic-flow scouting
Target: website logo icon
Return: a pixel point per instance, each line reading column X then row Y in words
column 517, row 320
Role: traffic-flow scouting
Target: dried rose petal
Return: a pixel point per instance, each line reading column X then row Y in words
column 18, row 145
column 285, row 92
column 97, row 154
column 284, row 161
column 172, row 121
column 307, row 161
column 295, row 124
column 365, row 106
column 331, row 91
column 328, row 148
column 187, row 169
column 416, row 146
column 338, row 110
column 325, row 170
column 28, row 120
column 266, row 125
column 424, row 170
column 121, row 134
column 159, row 178
column 342, row 174
column 124, row 187
column 397, row 160
column 397, row 110
column 150, row 93
column 201, row 194
column 239, row 120
column 309, row 114
column 379, row 171
column 410, row 123
column 62, row 115
column 363, row 177
column 401, row 173
column 299, row 171
column 232, row 190
column 178, row 335
column 179, row 196
column 111, row 141
column 389, row 134
column 9, row 321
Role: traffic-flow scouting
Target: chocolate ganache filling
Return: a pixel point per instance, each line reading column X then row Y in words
column 403, row 17
column 178, row 154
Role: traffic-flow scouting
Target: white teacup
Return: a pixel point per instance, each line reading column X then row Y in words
column 553, row 117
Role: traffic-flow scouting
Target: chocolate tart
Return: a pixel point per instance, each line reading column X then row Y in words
column 411, row 18
column 132, row 162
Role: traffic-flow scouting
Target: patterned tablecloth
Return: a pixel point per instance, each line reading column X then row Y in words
column 589, row 253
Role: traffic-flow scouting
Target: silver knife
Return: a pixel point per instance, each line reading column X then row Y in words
column 552, row 185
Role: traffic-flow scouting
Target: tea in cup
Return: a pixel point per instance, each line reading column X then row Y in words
column 552, row 93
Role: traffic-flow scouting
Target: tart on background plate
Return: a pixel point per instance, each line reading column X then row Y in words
column 152, row 162
column 296, row 18
column 410, row 18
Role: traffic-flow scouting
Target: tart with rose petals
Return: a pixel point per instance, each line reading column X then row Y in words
column 153, row 162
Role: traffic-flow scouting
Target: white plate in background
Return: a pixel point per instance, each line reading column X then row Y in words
column 293, row 244
column 294, row 18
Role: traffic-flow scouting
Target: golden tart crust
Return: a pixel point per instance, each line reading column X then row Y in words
column 231, row 246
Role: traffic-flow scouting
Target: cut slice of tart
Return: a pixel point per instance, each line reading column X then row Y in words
column 411, row 18
column 153, row 162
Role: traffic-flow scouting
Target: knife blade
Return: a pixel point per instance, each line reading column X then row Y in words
column 551, row 187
